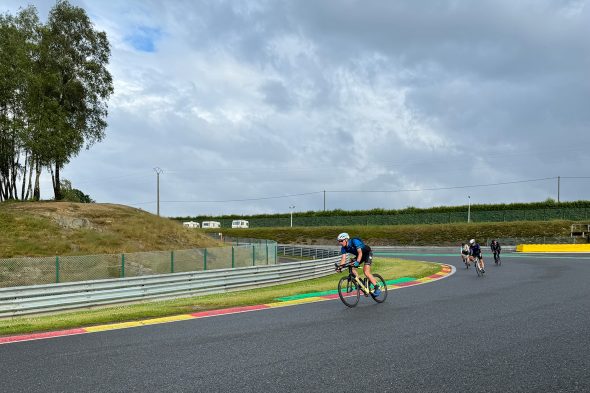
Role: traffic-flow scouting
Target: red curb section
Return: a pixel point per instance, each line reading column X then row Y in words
column 39, row 336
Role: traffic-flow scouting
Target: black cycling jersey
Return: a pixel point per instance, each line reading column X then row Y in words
column 495, row 247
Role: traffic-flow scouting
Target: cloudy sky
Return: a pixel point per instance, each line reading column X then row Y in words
column 253, row 107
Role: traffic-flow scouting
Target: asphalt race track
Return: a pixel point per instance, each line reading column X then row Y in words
column 524, row 327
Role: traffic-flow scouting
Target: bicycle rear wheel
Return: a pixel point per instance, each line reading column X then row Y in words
column 348, row 291
column 383, row 286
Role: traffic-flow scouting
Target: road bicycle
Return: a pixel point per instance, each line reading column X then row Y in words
column 478, row 270
column 497, row 259
column 351, row 286
column 465, row 261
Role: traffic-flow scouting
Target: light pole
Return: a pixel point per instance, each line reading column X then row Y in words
column 291, row 208
column 469, row 208
column 158, row 171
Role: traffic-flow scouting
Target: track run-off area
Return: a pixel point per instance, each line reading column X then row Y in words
column 523, row 327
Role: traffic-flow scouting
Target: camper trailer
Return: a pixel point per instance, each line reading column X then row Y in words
column 191, row 224
column 240, row 224
column 210, row 224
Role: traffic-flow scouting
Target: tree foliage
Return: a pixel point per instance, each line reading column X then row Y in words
column 71, row 194
column 54, row 87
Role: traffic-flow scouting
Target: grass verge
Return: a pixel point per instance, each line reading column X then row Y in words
column 390, row 268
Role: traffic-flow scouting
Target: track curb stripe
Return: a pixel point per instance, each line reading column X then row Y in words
column 404, row 282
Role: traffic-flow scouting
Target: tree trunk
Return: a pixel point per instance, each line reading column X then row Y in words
column 30, row 184
column 22, row 189
column 14, row 172
column 56, row 183
column 37, row 189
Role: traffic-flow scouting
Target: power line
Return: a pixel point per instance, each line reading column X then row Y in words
column 444, row 188
column 367, row 191
column 250, row 199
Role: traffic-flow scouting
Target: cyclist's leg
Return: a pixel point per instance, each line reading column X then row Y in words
column 368, row 261
column 367, row 271
column 481, row 263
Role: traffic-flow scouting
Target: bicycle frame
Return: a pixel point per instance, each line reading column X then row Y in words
column 356, row 278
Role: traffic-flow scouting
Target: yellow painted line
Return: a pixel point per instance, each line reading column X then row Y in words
column 167, row 319
column 425, row 279
column 553, row 248
column 296, row 301
column 113, row 326
column 124, row 325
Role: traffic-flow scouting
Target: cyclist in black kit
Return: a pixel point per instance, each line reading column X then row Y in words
column 496, row 248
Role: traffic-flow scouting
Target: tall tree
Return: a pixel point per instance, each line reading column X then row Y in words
column 73, row 86
column 18, row 39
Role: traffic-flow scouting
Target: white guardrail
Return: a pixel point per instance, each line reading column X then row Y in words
column 54, row 297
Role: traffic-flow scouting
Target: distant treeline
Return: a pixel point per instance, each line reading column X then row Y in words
column 535, row 211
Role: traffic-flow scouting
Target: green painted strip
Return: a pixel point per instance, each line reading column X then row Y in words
column 335, row 291
column 403, row 254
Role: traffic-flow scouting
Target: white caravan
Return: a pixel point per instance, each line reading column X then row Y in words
column 210, row 224
column 240, row 224
column 191, row 224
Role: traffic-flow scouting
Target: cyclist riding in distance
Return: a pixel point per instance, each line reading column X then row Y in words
column 362, row 253
column 475, row 251
column 496, row 248
column 465, row 254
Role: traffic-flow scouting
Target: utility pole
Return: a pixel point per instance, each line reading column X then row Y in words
column 158, row 171
column 558, row 185
column 469, row 209
column 324, row 200
column 291, row 208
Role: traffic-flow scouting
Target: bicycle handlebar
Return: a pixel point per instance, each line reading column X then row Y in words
column 347, row 264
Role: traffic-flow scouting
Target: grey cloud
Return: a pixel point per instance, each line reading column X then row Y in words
column 277, row 95
column 251, row 99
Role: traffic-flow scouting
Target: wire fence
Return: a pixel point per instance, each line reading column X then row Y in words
column 506, row 215
column 46, row 270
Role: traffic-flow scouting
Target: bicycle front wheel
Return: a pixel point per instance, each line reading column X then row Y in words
column 348, row 291
column 477, row 268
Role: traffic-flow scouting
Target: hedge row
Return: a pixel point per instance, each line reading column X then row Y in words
column 424, row 216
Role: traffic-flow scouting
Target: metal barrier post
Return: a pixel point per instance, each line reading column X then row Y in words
column 253, row 255
column 171, row 261
column 123, row 265
column 205, row 259
column 56, row 269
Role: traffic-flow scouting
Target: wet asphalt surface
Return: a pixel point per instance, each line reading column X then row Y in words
column 524, row 327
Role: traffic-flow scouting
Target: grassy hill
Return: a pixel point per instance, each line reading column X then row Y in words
column 66, row 228
column 425, row 234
